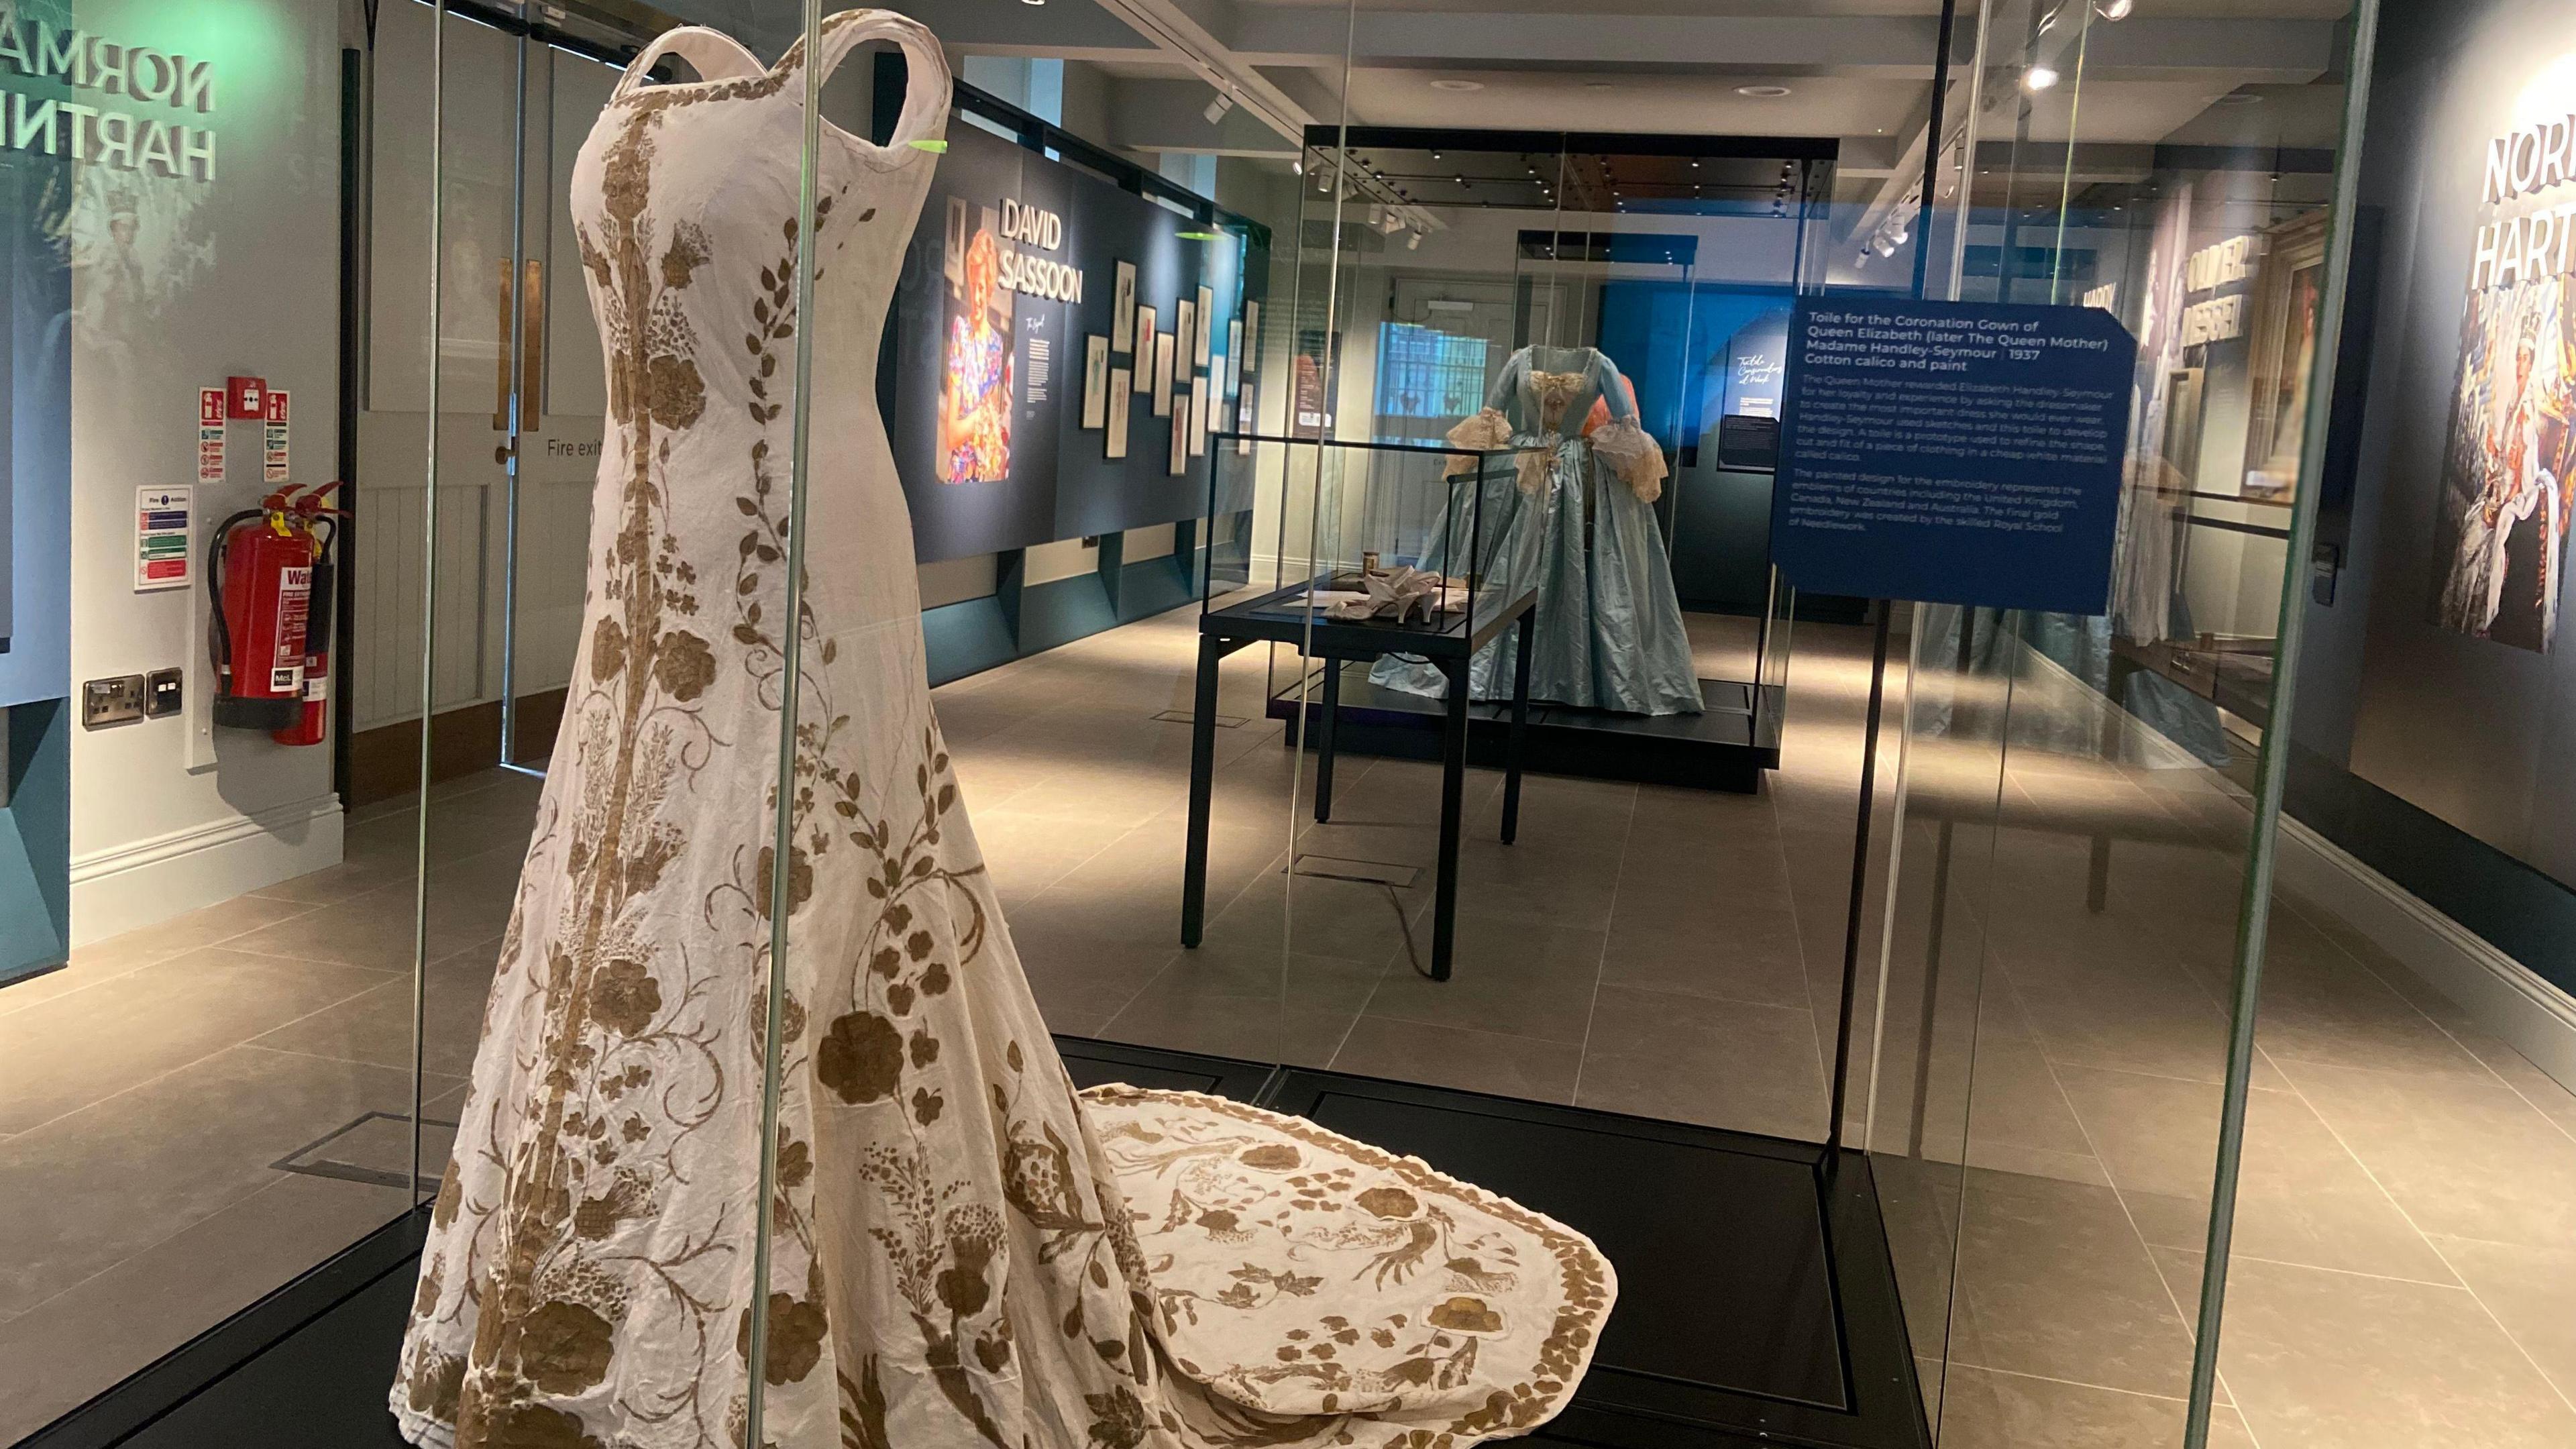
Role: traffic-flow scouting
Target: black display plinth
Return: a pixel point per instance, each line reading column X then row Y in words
column 1726, row 747
column 1757, row 1301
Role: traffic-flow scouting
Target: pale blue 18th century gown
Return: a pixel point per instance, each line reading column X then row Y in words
column 1576, row 518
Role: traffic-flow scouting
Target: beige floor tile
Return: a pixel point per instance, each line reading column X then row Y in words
column 1983, row 1409
column 117, row 955
column 2053, row 1282
column 2532, row 1294
column 2463, row 1159
column 1512, row 977
column 1262, row 1007
column 1753, row 957
column 375, row 1027
column 1347, row 920
column 1472, row 1061
column 2301, row 1196
column 469, row 902
column 2321, row 1005
column 2324, row 1360
column 99, row 1330
column 80, row 1049
column 2131, row 1015
column 1718, row 1063
column 1027, row 853
column 89, row 1190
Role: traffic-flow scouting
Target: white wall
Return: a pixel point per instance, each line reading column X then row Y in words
column 236, row 275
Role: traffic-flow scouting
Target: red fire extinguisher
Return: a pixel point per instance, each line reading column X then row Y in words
column 259, row 576
column 313, row 723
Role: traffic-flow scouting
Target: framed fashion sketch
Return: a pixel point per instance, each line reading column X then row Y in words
column 1120, row 396
column 1185, row 321
column 1198, row 414
column 1234, row 357
column 2284, row 353
column 1163, row 374
column 953, row 256
column 1251, row 348
column 1122, row 310
column 1095, row 381
column 1180, row 459
column 1144, row 340
column 1207, row 324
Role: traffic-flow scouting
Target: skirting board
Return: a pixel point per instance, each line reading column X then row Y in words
column 150, row 881
column 2503, row 996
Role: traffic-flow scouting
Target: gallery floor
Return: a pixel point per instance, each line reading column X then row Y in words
column 192, row 1113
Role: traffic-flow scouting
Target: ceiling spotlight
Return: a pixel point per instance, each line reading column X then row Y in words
column 1883, row 247
column 1762, row 93
column 2040, row 78
column 1459, row 86
column 1898, row 236
column 1297, row 167
column 2113, row 9
column 1413, row 243
column 1217, row 108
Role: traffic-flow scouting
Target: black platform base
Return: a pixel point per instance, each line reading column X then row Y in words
column 1723, row 748
column 1757, row 1302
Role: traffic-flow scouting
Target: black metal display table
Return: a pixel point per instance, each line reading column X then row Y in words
column 1447, row 641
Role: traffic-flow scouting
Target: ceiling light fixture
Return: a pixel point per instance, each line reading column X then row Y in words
column 1762, row 93
column 2040, row 78
column 1216, row 109
column 2114, row 9
column 1461, row 87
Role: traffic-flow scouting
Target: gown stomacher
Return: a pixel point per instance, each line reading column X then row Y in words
column 967, row 1252
column 1609, row 629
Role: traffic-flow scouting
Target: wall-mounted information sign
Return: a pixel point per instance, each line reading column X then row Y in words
column 1953, row 452
column 163, row 542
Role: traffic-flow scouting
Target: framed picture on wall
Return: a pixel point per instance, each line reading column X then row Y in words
column 2284, row 353
column 1180, row 460
column 1185, row 321
column 953, row 258
column 1251, row 348
column 1095, row 381
column 1120, row 396
column 1207, row 324
column 1144, row 340
column 1122, row 310
column 1162, row 374
column 1234, row 357
column 1198, row 414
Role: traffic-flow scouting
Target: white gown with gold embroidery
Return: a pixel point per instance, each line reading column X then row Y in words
column 967, row 1253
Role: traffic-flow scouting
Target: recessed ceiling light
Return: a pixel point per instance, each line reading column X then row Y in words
column 1462, row 86
column 1762, row 93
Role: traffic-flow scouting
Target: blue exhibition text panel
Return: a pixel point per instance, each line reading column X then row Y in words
column 1952, row 452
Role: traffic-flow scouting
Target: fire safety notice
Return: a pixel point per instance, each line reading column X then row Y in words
column 164, row 546
column 1952, row 452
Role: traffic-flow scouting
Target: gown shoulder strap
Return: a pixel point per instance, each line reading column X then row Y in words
column 927, row 83
column 715, row 55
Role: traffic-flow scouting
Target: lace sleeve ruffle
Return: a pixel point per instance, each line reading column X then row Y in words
column 1487, row 430
column 1634, row 457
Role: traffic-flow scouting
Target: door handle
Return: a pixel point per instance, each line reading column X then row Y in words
column 526, row 313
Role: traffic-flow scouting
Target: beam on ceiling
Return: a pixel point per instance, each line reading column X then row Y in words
column 1849, row 45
